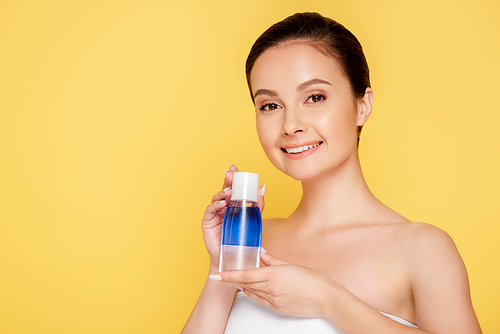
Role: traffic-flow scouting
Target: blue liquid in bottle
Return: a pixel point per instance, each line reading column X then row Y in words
column 241, row 237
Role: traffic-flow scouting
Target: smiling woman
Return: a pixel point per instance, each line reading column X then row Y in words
column 311, row 104
column 356, row 266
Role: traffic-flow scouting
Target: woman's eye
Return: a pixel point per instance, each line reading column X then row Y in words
column 315, row 98
column 269, row 107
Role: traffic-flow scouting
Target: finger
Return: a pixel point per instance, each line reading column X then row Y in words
column 224, row 194
column 261, row 298
column 261, row 203
column 259, row 288
column 228, row 178
column 259, row 295
column 213, row 209
column 270, row 260
column 242, row 276
column 233, row 168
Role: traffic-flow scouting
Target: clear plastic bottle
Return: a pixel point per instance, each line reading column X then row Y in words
column 242, row 226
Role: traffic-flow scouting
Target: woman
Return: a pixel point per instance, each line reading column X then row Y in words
column 343, row 262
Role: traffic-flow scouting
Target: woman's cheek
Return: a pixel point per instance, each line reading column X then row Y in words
column 267, row 142
column 265, row 132
column 268, row 138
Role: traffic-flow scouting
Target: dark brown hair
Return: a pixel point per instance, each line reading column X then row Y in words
column 328, row 36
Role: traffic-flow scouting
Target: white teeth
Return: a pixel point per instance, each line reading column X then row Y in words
column 300, row 149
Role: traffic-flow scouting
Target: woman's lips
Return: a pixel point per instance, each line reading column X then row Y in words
column 301, row 150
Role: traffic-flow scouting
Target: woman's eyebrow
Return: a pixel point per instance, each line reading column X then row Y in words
column 300, row 88
column 265, row 92
column 312, row 82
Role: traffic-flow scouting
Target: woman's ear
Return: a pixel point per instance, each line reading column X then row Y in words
column 365, row 106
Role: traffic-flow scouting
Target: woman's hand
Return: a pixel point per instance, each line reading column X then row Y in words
column 214, row 215
column 285, row 287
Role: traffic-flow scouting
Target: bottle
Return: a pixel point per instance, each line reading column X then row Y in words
column 242, row 226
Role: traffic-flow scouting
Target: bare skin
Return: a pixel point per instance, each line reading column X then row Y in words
column 342, row 254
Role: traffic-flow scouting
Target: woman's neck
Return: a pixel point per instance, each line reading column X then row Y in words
column 337, row 197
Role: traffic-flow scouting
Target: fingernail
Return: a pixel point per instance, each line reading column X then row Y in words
column 263, row 191
column 215, row 277
column 222, row 202
column 239, row 287
column 263, row 250
column 227, row 170
column 231, row 165
column 226, row 189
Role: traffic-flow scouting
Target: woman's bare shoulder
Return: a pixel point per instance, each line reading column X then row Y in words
column 430, row 251
column 422, row 240
column 439, row 279
column 423, row 236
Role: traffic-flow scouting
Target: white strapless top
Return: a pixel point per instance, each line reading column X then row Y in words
column 248, row 316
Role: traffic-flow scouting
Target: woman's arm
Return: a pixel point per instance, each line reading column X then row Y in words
column 214, row 305
column 352, row 315
column 440, row 283
column 437, row 276
column 305, row 292
column 212, row 309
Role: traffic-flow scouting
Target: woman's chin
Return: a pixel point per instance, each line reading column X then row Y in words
column 302, row 177
column 300, row 174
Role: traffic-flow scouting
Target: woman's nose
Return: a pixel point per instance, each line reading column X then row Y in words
column 293, row 123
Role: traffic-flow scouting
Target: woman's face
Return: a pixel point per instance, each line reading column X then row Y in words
column 306, row 116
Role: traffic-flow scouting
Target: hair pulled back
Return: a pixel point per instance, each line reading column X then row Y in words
column 327, row 36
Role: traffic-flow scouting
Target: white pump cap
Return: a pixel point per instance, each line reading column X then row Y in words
column 245, row 187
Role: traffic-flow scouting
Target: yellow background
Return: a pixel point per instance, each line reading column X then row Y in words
column 119, row 118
